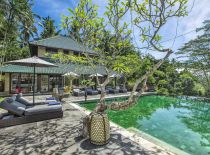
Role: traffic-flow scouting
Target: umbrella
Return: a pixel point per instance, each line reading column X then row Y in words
column 32, row 62
column 96, row 75
column 71, row 74
column 115, row 78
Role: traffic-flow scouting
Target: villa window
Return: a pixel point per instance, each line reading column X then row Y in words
column 52, row 50
column 24, row 81
column 76, row 53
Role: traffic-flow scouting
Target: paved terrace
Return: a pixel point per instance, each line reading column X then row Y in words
column 63, row 136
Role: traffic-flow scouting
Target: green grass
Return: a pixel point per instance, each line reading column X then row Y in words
column 1, row 99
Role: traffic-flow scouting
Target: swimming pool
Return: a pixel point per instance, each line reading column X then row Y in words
column 182, row 123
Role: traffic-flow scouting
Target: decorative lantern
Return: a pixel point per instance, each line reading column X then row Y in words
column 99, row 129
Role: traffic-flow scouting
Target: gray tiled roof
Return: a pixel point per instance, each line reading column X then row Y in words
column 61, row 69
column 62, row 42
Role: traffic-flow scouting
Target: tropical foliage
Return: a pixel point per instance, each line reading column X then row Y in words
column 110, row 37
column 197, row 55
column 16, row 28
column 49, row 28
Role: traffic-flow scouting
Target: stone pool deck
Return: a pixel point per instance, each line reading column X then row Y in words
column 63, row 136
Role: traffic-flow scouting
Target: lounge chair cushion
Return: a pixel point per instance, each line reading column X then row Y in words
column 40, row 109
column 113, row 91
column 53, row 103
column 50, row 98
column 76, row 90
column 91, row 91
column 13, row 107
column 123, row 90
column 9, row 100
column 24, row 101
column 28, row 103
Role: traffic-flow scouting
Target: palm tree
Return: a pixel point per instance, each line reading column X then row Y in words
column 16, row 25
column 49, row 28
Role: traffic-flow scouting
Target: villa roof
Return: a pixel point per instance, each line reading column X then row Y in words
column 62, row 42
column 61, row 69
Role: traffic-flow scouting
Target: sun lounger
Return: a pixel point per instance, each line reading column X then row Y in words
column 19, row 113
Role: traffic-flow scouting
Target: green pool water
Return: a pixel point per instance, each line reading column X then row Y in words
column 182, row 123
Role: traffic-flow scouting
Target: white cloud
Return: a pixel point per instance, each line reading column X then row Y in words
column 199, row 13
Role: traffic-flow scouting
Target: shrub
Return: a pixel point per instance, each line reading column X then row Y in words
column 162, row 91
column 199, row 90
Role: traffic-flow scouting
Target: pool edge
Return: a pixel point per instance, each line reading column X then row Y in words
column 157, row 141
column 131, row 134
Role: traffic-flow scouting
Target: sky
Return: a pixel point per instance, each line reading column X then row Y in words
column 198, row 12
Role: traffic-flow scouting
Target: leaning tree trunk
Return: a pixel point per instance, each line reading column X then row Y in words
column 133, row 96
column 101, row 106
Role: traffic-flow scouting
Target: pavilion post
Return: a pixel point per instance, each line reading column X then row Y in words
column 34, row 86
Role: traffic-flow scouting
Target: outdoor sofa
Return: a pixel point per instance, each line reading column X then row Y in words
column 122, row 89
column 112, row 90
column 99, row 91
column 91, row 91
column 19, row 113
column 78, row 92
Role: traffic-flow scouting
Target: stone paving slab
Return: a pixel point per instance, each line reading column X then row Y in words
column 60, row 136
column 63, row 137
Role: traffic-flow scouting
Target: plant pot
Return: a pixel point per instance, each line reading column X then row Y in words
column 99, row 129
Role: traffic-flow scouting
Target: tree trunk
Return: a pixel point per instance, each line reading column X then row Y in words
column 133, row 96
column 101, row 106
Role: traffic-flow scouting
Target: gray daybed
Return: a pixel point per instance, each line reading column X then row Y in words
column 19, row 113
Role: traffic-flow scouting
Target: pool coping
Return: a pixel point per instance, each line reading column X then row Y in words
column 110, row 97
column 96, row 98
column 147, row 141
column 157, row 141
